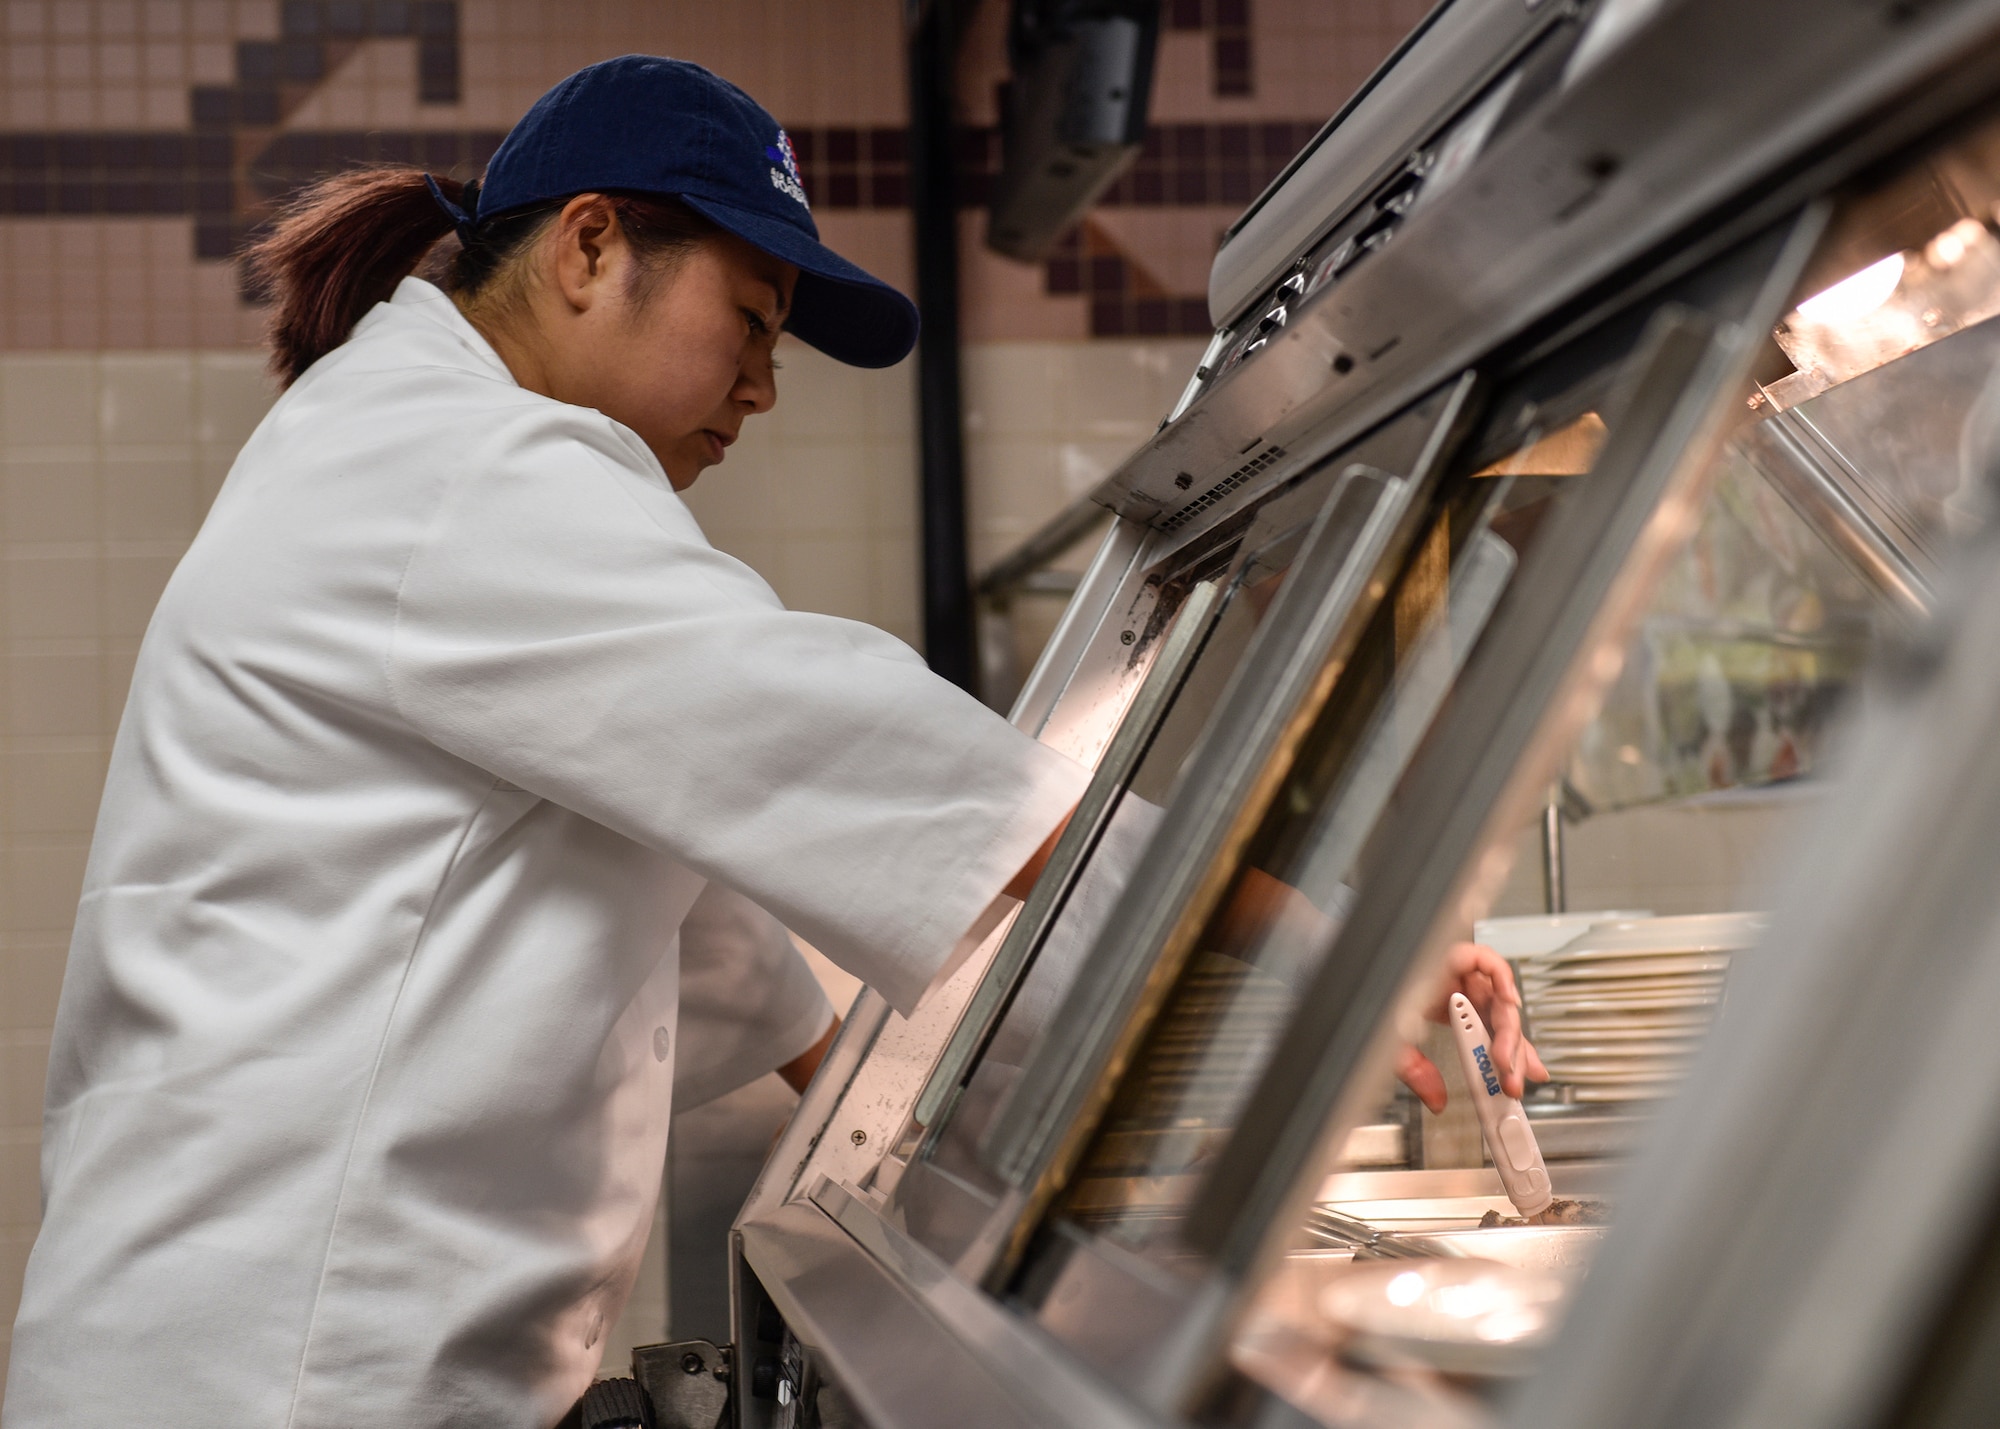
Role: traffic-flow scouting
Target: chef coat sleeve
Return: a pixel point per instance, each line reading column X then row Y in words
column 562, row 623
column 749, row 1002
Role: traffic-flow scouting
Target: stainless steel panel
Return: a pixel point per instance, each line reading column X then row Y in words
column 1691, row 124
column 1110, row 572
column 780, row 1178
column 914, row 1347
column 1459, row 46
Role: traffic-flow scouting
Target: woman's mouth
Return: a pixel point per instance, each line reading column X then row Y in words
column 718, row 444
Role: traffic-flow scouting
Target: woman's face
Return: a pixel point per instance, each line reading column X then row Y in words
column 681, row 355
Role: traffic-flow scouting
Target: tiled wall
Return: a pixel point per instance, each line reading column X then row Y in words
column 140, row 140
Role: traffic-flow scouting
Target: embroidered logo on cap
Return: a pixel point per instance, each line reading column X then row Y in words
column 785, row 179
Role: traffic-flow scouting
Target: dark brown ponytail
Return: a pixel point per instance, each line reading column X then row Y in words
column 346, row 241
column 338, row 249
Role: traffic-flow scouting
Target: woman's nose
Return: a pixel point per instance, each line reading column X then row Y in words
column 757, row 385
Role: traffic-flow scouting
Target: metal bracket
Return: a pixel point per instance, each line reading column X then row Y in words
column 688, row 1381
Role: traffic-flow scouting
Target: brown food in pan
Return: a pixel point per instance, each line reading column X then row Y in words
column 1558, row 1213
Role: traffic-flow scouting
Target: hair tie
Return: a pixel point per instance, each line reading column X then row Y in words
column 462, row 221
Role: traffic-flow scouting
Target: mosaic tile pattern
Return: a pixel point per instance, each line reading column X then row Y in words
column 1229, row 23
column 155, row 174
column 1125, row 298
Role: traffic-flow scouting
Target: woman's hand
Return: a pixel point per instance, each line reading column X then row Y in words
column 1488, row 983
column 798, row 1073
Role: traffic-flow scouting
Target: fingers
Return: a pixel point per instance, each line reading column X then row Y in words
column 1477, row 971
column 1536, row 1071
column 1487, row 981
column 1420, row 1075
column 1503, row 1028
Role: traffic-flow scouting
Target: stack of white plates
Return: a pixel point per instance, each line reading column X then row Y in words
column 1617, row 1012
column 1516, row 938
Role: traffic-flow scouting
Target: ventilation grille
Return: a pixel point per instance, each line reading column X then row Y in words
column 1222, row 488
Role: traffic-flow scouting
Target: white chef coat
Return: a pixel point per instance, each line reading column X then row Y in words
column 749, row 1003
column 359, row 1090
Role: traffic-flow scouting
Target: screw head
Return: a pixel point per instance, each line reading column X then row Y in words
column 859, row 1137
column 691, row 1363
column 1126, row 637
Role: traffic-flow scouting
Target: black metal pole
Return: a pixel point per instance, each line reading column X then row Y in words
column 947, row 575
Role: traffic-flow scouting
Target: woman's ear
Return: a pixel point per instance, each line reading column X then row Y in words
column 590, row 251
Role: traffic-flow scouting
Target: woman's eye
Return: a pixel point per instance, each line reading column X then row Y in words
column 756, row 321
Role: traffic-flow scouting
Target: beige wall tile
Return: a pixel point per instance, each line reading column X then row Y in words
column 893, row 585
column 1080, row 466
column 20, row 1182
column 55, row 693
column 43, row 884
column 1120, row 389
column 1010, row 388
column 761, row 549
column 828, row 574
column 51, row 597
column 892, row 403
column 14, row 1247
column 48, row 400
column 211, row 469
column 50, row 791
column 48, row 500
column 232, row 394
column 24, row 1059
column 892, row 487
column 818, row 397
column 132, row 586
column 149, row 497
column 827, row 489
column 1016, row 483
column 119, row 656
column 727, row 503
column 147, row 398
column 30, row 980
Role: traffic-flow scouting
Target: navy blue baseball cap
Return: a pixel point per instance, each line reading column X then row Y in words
column 645, row 125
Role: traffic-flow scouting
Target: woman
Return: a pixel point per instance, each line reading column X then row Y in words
column 363, row 1063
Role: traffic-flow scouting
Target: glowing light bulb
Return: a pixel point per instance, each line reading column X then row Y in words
column 1856, row 295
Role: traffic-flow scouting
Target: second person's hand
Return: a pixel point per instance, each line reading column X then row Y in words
column 1488, row 982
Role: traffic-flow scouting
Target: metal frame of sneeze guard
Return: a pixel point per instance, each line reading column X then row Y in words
column 1676, row 391
column 1339, row 580
column 1079, row 840
column 1679, row 400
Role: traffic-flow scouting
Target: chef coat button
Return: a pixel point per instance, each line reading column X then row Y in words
column 663, row 1043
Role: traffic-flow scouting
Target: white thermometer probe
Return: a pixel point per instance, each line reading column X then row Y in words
column 1509, row 1138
